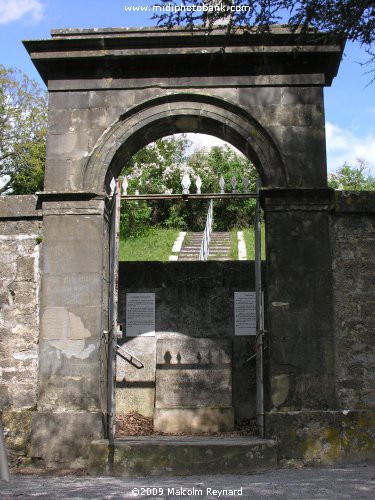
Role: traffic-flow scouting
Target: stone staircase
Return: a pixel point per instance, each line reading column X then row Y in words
column 220, row 246
column 191, row 246
column 181, row 456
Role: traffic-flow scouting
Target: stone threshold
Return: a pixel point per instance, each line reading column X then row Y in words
column 137, row 456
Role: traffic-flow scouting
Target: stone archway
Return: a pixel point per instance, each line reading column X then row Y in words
column 177, row 113
column 113, row 91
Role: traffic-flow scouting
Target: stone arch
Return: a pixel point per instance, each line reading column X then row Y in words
column 178, row 113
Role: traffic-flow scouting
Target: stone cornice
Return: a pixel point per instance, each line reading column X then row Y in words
column 160, row 53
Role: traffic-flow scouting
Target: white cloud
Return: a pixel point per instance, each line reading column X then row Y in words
column 13, row 10
column 343, row 145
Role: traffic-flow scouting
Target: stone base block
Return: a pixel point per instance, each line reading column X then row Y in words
column 193, row 420
column 16, row 425
column 181, row 456
column 62, row 439
column 17, row 428
column 323, row 437
column 139, row 400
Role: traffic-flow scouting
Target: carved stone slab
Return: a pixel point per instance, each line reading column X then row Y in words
column 193, row 373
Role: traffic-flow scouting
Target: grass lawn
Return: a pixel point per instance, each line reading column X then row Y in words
column 155, row 245
column 250, row 243
column 234, row 245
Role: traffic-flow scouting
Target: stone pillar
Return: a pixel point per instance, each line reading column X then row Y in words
column 299, row 299
column 73, row 314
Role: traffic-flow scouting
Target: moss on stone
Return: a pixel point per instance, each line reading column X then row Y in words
column 17, row 428
column 99, row 457
column 324, row 437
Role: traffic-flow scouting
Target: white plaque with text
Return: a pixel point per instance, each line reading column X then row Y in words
column 244, row 313
column 140, row 314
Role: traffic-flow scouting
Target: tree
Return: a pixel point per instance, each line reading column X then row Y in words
column 23, row 129
column 352, row 178
column 354, row 19
column 159, row 167
column 156, row 168
column 224, row 161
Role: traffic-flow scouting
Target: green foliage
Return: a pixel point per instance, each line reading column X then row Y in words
column 352, row 178
column 135, row 218
column 23, row 129
column 336, row 19
column 159, row 168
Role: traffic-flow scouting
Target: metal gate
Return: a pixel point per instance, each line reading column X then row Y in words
column 113, row 293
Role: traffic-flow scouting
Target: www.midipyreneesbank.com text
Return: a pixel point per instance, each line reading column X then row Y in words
column 187, row 8
column 187, row 492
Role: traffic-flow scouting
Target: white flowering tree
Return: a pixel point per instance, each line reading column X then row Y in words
column 160, row 167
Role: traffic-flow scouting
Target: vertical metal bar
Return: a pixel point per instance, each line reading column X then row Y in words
column 113, row 300
column 259, row 320
column 4, row 470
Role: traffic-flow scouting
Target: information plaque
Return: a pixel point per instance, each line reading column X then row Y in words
column 244, row 313
column 140, row 314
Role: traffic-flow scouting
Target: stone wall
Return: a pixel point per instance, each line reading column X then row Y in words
column 346, row 431
column 353, row 246
column 194, row 300
column 20, row 245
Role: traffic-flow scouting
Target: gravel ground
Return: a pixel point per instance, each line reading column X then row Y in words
column 303, row 484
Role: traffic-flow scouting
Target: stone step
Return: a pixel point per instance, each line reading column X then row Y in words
column 181, row 456
column 220, row 246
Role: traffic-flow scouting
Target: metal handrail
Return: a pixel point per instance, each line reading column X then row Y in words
column 205, row 245
column 131, row 356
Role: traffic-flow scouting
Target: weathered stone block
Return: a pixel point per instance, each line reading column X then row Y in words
column 143, row 348
column 135, row 399
column 19, row 207
column 98, row 460
column 69, row 375
column 17, row 429
column 193, row 420
column 135, row 386
column 323, row 437
column 181, row 456
column 193, row 373
column 62, row 439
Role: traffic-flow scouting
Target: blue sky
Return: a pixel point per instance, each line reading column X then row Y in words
column 350, row 102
